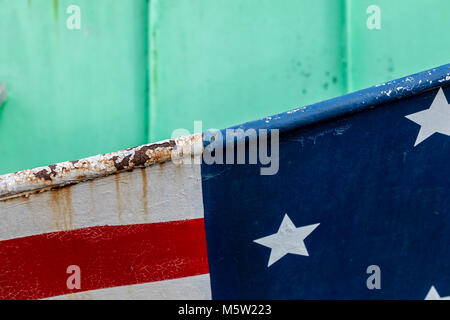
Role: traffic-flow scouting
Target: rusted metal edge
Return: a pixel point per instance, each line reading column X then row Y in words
column 72, row 172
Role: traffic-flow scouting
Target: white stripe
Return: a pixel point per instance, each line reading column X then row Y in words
column 159, row 193
column 189, row 288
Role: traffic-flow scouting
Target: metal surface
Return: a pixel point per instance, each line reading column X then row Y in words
column 71, row 172
column 71, row 93
column 363, row 185
column 129, row 212
column 137, row 70
column 362, row 180
column 3, row 93
column 242, row 60
column 353, row 102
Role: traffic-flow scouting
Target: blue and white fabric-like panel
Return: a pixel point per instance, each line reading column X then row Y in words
column 363, row 180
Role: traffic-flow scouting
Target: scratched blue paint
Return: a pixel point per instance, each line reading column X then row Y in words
column 349, row 164
column 353, row 102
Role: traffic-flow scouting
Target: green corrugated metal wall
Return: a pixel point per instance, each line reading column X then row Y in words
column 72, row 93
column 413, row 37
column 139, row 69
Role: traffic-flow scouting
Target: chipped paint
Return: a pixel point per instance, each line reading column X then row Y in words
column 157, row 193
column 73, row 172
column 293, row 111
column 335, row 131
column 447, row 78
column 144, row 193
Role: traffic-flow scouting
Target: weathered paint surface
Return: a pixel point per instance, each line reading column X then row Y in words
column 107, row 256
column 352, row 165
column 245, row 59
column 191, row 288
column 129, row 198
column 136, row 72
column 159, row 193
column 72, row 93
column 135, row 217
column 229, row 61
column 3, row 93
column 102, row 165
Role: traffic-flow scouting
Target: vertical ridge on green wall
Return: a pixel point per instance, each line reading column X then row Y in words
column 146, row 40
column 225, row 62
column 152, row 66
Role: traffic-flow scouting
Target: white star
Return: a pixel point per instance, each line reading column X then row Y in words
column 434, row 295
column 435, row 119
column 288, row 239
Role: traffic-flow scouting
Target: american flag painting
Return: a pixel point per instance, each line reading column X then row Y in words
column 351, row 200
column 131, row 235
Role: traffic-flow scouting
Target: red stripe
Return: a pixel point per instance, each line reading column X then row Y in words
column 35, row 267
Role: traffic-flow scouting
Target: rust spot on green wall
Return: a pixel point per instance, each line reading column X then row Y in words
column 56, row 8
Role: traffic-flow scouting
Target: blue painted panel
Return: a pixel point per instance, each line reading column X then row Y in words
column 379, row 201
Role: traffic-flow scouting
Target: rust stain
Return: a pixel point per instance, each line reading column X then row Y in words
column 92, row 194
column 144, row 193
column 71, row 172
column 56, row 9
column 47, row 174
column 61, row 206
column 178, row 170
column 56, row 209
column 141, row 156
column 119, row 203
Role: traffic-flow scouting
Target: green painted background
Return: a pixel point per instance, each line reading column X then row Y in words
column 225, row 62
column 72, row 94
column 414, row 37
column 139, row 69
